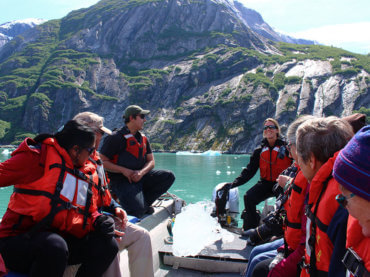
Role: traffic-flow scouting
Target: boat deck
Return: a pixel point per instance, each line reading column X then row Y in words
column 218, row 259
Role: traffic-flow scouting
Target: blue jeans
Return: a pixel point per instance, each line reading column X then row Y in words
column 263, row 252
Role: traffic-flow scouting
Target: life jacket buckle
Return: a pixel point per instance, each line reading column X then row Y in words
column 302, row 264
column 68, row 205
column 353, row 263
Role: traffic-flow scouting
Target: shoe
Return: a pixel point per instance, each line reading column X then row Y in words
column 150, row 210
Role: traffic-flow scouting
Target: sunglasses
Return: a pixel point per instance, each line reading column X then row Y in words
column 343, row 200
column 289, row 146
column 272, row 127
column 142, row 116
column 90, row 149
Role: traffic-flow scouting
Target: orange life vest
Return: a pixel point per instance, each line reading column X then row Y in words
column 320, row 210
column 270, row 165
column 101, row 192
column 358, row 243
column 133, row 155
column 294, row 211
column 62, row 197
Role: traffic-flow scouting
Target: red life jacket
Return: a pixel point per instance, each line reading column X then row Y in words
column 359, row 244
column 133, row 155
column 62, row 197
column 101, row 192
column 295, row 211
column 320, row 210
column 270, row 165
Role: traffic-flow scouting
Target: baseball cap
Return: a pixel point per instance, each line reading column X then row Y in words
column 134, row 110
column 92, row 120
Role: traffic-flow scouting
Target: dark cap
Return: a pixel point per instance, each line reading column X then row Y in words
column 134, row 110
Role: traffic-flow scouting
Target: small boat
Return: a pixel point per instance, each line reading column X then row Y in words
column 218, row 259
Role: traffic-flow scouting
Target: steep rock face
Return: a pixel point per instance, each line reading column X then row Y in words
column 255, row 21
column 144, row 34
column 208, row 80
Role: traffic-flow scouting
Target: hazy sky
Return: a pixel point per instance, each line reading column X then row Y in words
column 341, row 23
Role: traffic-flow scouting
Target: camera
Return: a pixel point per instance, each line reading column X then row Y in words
column 281, row 153
column 272, row 226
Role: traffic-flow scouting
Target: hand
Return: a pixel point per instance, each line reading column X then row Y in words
column 282, row 180
column 122, row 215
column 278, row 258
column 127, row 173
column 225, row 188
column 136, row 176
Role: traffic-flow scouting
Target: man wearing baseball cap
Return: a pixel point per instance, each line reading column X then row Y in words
column 129, row 160
column 352, row 172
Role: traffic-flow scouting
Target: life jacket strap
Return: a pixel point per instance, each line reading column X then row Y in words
column 354, row 264
column 293, row 225
column 315, row 222
column 296, row 188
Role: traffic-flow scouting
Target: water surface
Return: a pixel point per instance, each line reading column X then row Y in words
column 196, row 175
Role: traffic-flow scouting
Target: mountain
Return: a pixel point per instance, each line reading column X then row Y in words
column 208, row 78
column 11, row 29
column 255, row 21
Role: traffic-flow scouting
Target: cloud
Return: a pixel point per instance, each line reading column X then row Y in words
column 340, row 35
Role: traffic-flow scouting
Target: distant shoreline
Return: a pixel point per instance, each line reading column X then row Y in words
column 8, row 146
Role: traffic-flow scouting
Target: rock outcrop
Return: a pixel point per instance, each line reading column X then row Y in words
column 208, row 78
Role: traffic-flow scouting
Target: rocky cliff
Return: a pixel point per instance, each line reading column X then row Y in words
column 208, row 78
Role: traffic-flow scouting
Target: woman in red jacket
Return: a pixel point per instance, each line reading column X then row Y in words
column 271, row 158
column 52, row 220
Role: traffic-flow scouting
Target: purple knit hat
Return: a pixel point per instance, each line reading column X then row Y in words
column 352, row 166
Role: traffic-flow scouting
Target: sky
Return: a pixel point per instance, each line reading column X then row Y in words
column 339, row 23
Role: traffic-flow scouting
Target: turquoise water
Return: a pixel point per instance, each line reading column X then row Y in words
column 196, row 175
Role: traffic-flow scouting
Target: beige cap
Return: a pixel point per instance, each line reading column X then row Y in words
column 92, row 120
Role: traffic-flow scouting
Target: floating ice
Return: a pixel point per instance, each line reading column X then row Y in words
column 218, row 172
column 228, row 172
column 207, row 153
column 211, row 153
column 5, row 152
column 184, row 153
column 195, row 228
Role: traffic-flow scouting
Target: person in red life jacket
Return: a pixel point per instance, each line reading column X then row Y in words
column 134, row 238
column 318, row 143
column 352, row 172
column 271, row 158
column 284, row 260
column 129, row 161
column 51, row 220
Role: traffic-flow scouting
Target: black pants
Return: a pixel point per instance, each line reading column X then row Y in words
column 262, row 268
column 255, row 195
column 47, row 254
column 135, row 198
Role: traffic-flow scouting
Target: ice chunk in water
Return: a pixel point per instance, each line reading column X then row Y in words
column 195, row 228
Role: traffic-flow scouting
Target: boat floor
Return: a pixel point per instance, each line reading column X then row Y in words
column 220, row 257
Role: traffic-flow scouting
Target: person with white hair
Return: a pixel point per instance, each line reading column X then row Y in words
column 133, row 237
